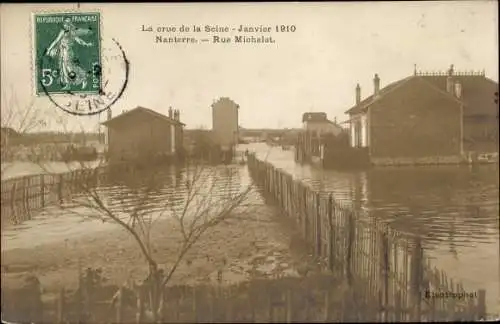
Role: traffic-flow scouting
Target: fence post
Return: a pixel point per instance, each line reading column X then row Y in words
column 273, row 181
column 228, row 300
column 285, row 192
column 318, row 225
column 331, row 233
column 481, row 305
column 13, row 199
column 289, row 306
column 162, row 309
column 397, row 308
column 60, row 188
column 305, row 213
column 119, row 306
column 25, row 195
column 140, row 307
column 350, row 245
column 288, row 192
column 60, row 307
column 42, row 190
column 280, row 190
column 270, row 308
column 385, row 272
column 267, row 178
column 253, row 304
column 327, row 305
column 416, row 279
column 195, row 305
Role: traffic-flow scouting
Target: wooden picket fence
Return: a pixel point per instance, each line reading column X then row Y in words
column 23, row 196
column 386, row 273
column 388, row 266
column 315, row 298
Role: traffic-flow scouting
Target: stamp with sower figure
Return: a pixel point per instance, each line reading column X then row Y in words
column 73, row 67
column 71, row 43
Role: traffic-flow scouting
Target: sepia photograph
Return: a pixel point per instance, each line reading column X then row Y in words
column 244, row 162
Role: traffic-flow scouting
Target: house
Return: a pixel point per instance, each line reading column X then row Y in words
column 426, row 118
column 142, row 133
column 318, row 123
column 225, row 123
column 7, row 135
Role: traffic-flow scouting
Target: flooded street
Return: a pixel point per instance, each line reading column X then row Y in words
column 256, row 242
column 23, row 168
column 454, row 209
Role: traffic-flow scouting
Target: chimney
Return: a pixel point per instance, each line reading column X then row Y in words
column 449, row 80
column 458, row 90
column 170, row 112
column 358, row 94
column 177, row 115
column 376, row 84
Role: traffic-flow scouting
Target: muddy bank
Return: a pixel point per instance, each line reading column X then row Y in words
column 240, row 249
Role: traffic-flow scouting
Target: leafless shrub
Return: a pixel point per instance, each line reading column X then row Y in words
column 203, row 197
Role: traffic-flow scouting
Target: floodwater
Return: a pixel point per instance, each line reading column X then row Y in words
column 24, row 168
column 156, row 194
column 454, row 209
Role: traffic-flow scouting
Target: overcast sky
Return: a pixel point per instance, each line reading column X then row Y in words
column 316, row 68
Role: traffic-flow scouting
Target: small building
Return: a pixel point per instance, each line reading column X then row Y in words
column 142, row 133
column 7, row 135
column 318, row 123
column 428, row 117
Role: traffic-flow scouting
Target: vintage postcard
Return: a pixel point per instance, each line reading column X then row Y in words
column 250, row 162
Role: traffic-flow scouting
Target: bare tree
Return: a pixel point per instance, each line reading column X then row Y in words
column 21, row 118
column 199, row 198
column 16, row 121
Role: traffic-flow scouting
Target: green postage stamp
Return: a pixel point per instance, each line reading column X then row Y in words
column 67, row 53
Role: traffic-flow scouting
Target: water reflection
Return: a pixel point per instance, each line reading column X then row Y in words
column 442, row 204
column 454, row 209
column 150, row 194
column 437, row 203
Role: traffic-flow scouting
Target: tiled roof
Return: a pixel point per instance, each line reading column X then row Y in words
column 477, row 93
column 363, row 105
column 139, row 110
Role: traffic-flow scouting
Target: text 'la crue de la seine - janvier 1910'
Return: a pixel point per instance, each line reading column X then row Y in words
column 217, row 34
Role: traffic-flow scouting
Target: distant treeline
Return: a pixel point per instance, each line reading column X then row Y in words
column 54, row 137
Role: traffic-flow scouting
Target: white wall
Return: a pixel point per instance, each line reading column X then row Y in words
column 172, row 138
column 364, row 131
column 352, row 130
column 360, row 121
